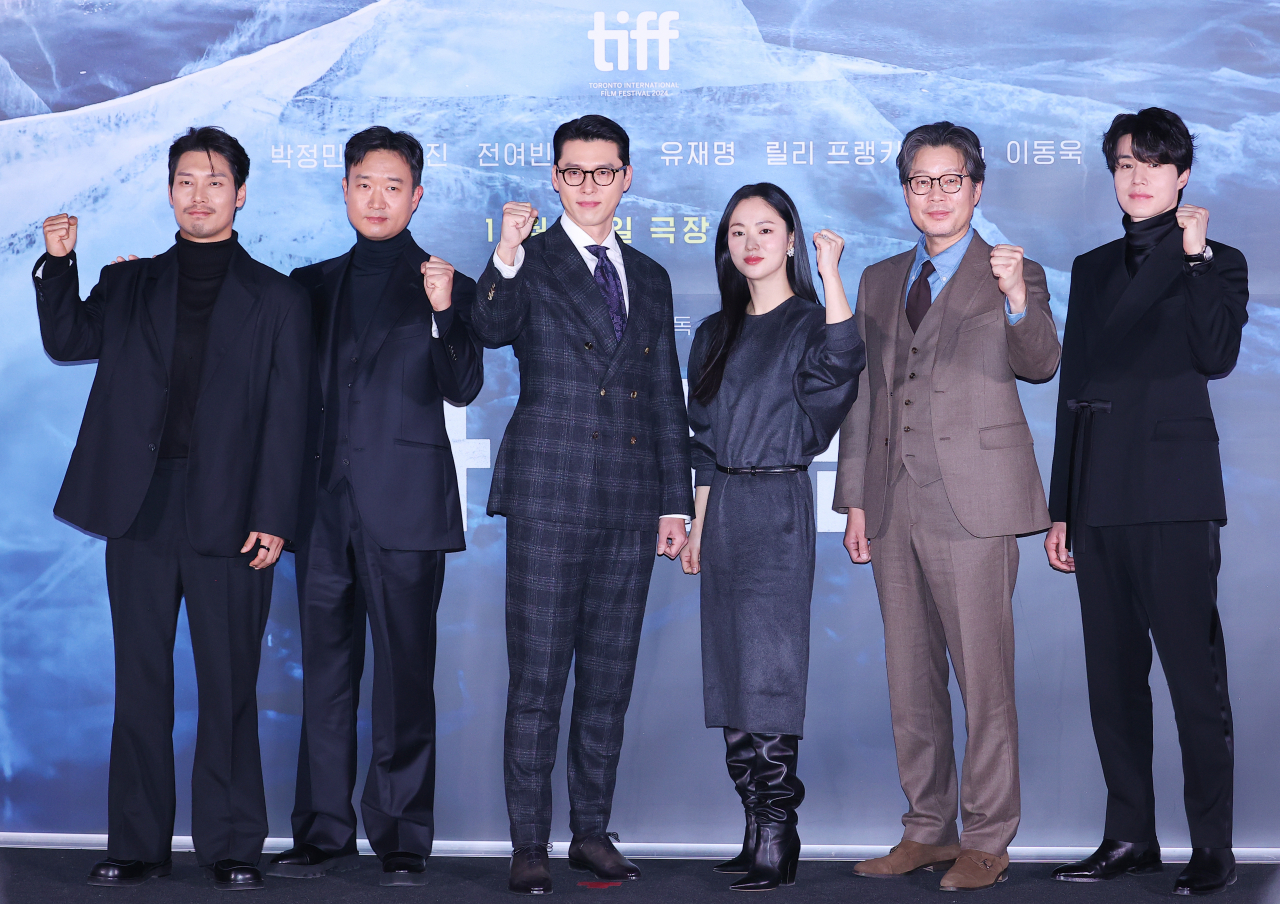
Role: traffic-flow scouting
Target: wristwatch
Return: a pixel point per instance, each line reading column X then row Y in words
column 1202, row 258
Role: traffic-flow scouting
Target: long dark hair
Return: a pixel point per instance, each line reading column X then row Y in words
column 735, row 294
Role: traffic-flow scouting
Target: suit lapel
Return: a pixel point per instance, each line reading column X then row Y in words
column 580, row 285
column 237, row 300
column 895, row 287
column 161, row 294
column 1146, row 288
column 326, row 315
column 403, row 287
column 960, row 294
column 640, row 308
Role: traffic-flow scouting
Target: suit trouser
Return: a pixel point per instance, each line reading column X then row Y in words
column 575, row 595
column 344, row 577
column 150, row 570
column 944, row 590
column 1141, row 582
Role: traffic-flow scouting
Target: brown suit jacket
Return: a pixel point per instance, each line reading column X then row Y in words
column 981, row 436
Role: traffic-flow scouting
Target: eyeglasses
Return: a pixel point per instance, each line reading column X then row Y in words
column 950, row 183
column 602, row 176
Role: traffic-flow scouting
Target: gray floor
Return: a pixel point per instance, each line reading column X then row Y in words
column 31, row 876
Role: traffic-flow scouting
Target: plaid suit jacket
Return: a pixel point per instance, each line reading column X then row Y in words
column 600, row 436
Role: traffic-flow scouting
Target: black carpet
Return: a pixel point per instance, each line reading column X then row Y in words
column 31, row 876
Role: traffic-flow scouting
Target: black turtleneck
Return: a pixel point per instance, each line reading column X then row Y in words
column 371, row 265
column 202, row 266
column 1141, row 237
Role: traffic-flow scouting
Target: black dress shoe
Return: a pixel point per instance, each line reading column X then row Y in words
column 306, row 861
column 1112, row 859
column 127, row 872
column 530, row 870
column 1210, row 871
column 403, row 868
column 233, row 875
column 596, row 854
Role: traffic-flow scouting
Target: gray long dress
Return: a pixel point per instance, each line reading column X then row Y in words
column 788, row 384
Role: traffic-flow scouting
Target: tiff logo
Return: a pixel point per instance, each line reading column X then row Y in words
column 664, row 34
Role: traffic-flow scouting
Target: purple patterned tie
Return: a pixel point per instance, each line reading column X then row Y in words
column 610, row 284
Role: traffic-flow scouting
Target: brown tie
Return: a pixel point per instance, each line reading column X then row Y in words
column 920, row 297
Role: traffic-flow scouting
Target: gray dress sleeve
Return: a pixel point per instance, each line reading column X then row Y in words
column 826, row 382
column 702, row 448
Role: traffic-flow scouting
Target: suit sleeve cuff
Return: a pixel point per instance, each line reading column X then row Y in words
column 50, row 267
column 509, row 272
column 441, row 321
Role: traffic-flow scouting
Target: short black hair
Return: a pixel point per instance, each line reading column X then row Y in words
column 593, row 127
column 942, row 135
column 380, row 138
column 1159, row 136
column 210, row 140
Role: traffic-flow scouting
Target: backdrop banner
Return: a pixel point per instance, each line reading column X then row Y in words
column 714, row 93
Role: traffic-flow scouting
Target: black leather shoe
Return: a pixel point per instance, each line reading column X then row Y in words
column 306, row 861
column 403, row 868
column 596, row 854
column 234, row 875
column 1112, row 859
column 1210, row 871
column 530, row 870
column 111, row 871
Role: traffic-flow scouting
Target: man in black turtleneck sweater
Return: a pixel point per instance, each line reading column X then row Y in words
column 1137, row 497
column 380, row 510
column 188, row 461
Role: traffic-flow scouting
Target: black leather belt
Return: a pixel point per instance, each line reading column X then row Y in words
column 1081, row 444
column 774, row 469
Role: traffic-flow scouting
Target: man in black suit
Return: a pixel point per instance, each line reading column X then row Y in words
column 188, row 462
column 595, row 460
column 1137, row 496
column 380, row 509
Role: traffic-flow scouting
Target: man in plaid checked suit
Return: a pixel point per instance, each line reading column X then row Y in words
column 594, row 462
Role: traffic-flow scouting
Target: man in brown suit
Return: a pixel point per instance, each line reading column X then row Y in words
column 937, row 467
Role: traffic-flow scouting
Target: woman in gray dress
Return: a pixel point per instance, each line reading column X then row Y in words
column 771, row 376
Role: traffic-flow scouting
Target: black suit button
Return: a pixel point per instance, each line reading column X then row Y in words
column 345, row 462
column 322, row 409
column 915, row 351
column 904, row 430
column 633, row 440
column 602, row 392
column 589, row 346
column 349, row 385
column 907, row 402
column 633, row 393
column 910, row 376
column 595, row 435
column 317, row 456
column 354, row 360
column 151, row 446
column 646, row 351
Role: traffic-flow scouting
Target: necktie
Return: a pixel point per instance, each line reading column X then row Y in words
column 610, row 284
column 920, row 297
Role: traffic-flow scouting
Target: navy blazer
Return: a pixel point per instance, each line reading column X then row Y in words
column 402, row 471
column 600, row 436
column 245, row 458
column 1149, row 346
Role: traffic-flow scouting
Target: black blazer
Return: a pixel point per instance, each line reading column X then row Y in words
column 402, row 471
column 600, row 436
column 1149, row 346
column 246, row 440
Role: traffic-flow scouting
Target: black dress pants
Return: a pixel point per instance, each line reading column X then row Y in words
column 575, row 597
column 1145, row 582
column 345, row 578
column 150, row 570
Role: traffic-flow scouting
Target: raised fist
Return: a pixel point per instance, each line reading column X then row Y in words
column 1006, row 267
column 518, row 218
column 437, row 279
column 60, row 235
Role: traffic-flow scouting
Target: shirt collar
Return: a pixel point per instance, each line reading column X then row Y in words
column 581, row 240
column 945, row 263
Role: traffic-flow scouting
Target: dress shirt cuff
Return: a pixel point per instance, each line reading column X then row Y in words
column 1008, row 312
column 688, row 522
column 509, row 272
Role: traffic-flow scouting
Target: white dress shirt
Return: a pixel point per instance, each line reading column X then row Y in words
column 580, row 241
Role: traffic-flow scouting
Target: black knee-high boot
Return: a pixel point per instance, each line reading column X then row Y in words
column 778, row 793
column 739, row 754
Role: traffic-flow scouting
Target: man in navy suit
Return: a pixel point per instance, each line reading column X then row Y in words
column 380, row 508
column 188, row 462
column 594, row 462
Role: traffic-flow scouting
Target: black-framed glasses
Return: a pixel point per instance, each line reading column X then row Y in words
column 949, row 182
column 602, row 175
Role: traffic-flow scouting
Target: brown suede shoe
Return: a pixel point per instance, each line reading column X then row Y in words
column 974, row 870
column 906, row 857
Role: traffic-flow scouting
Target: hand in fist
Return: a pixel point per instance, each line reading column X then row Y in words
column 829, row 247
column 1006, row 267
column 60, row 235
column 1193, row 220
column 518, row 218
column 437, row 279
